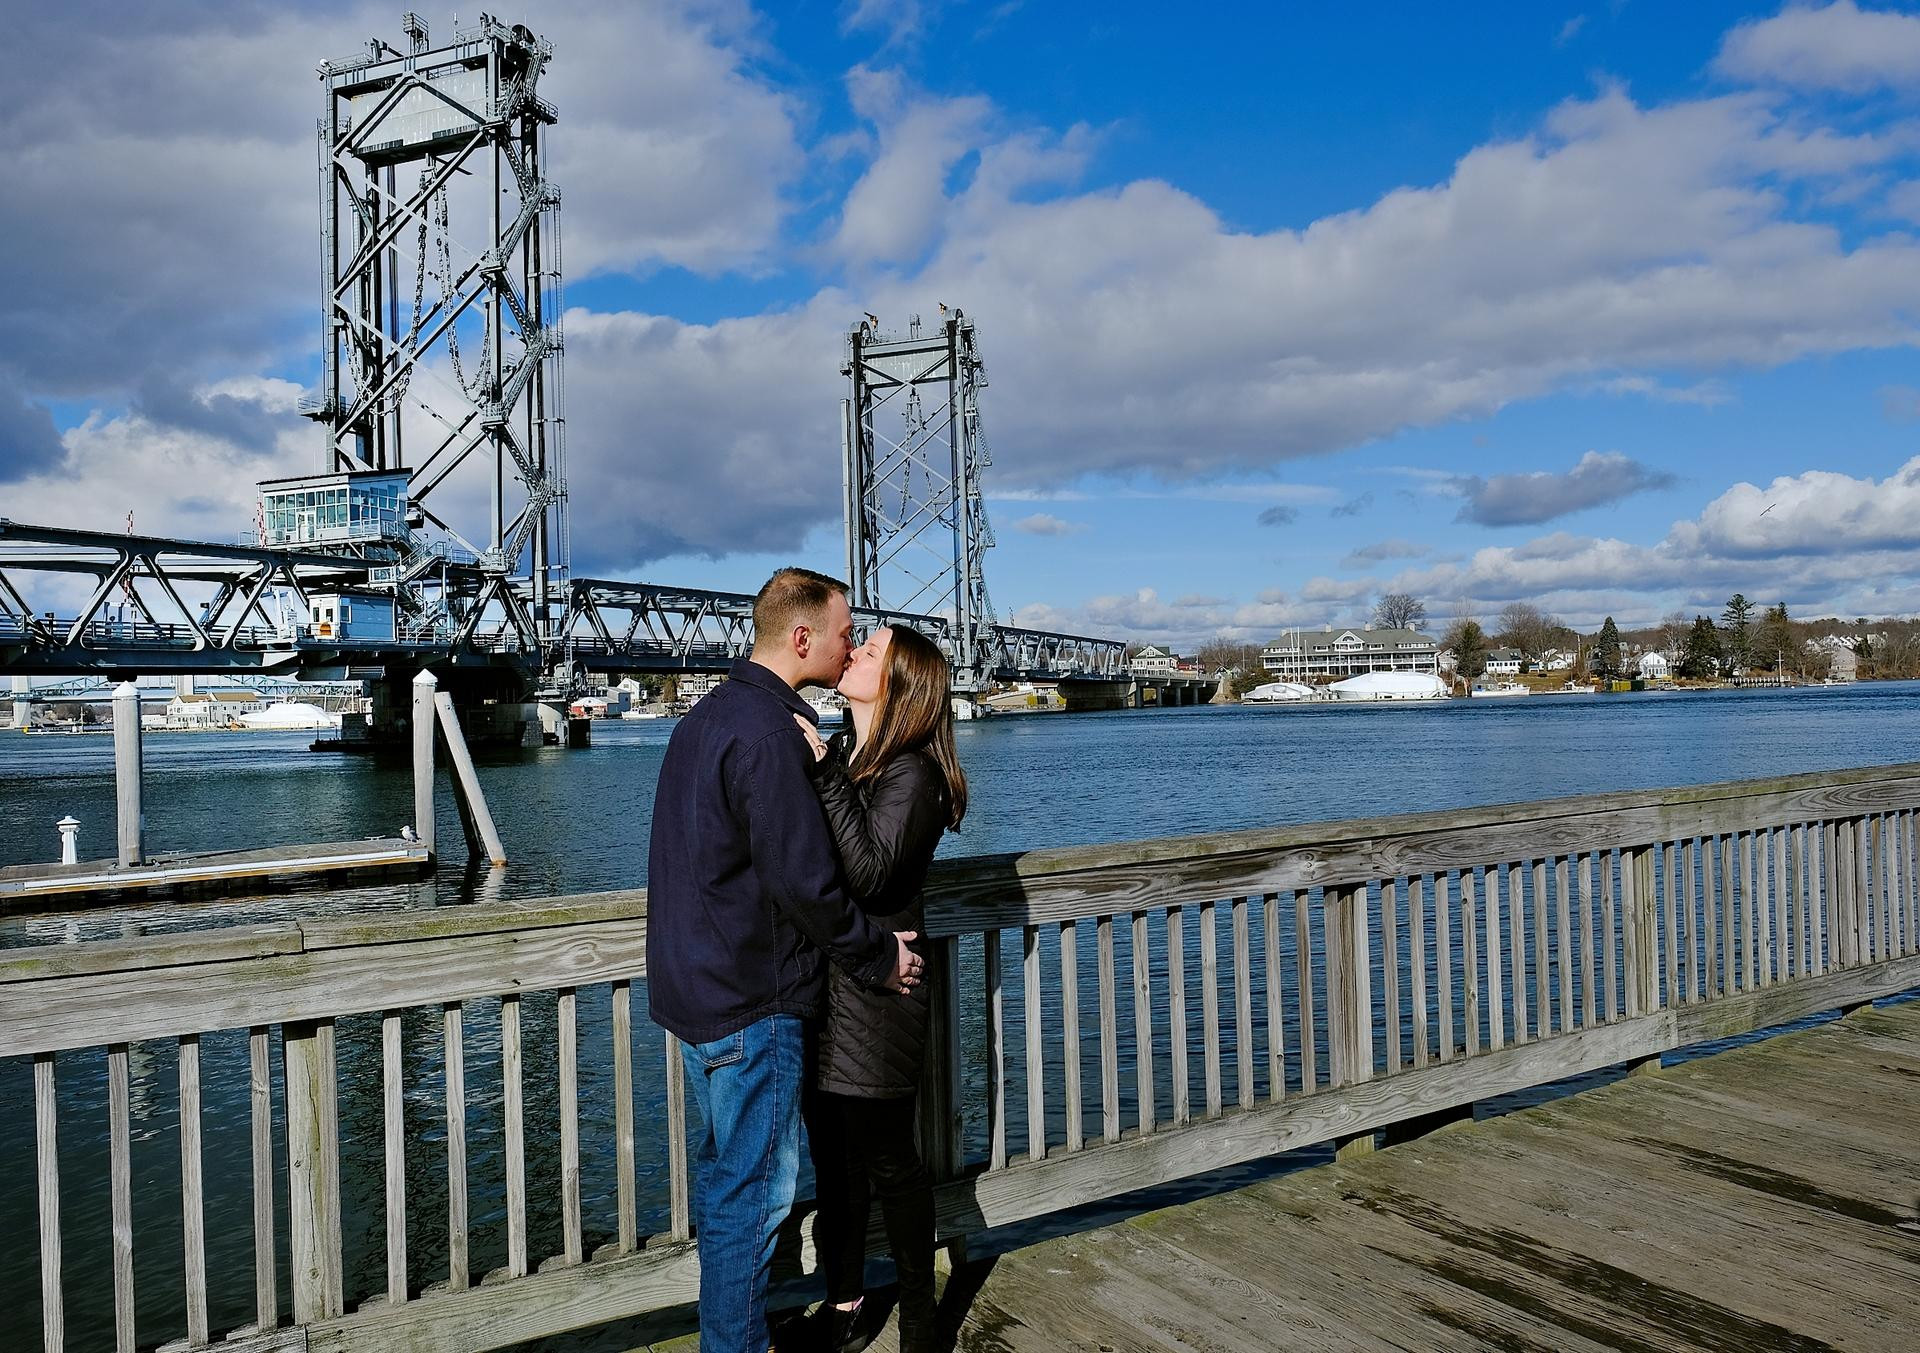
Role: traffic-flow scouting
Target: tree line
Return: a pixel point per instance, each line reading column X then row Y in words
column 1746, row 639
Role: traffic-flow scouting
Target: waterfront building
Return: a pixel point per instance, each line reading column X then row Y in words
column 1654, row 665
column 1151, row 661
column 1349, row 652
column 694, row 685
column 1505, row 662
column 211, row 709
column 1843, row 662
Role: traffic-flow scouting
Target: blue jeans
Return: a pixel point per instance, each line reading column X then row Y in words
column 746, row 1167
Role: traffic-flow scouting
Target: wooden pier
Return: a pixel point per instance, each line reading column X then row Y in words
column 1762, row 1198
column 1245, row 994
column 48, row 887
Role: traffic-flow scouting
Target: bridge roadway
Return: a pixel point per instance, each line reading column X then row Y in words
column 1762, row 1198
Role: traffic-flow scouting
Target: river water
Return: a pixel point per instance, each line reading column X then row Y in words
column 577, row 821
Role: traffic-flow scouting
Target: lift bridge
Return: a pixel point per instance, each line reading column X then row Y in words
column 440, row 390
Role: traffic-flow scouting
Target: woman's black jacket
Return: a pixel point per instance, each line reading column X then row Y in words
column 873, row 1043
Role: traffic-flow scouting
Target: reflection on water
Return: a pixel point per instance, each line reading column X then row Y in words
column 577, row 821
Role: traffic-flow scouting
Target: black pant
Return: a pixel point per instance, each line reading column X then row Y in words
column 862, row 1147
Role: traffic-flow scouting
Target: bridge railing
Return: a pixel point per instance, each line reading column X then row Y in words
column 392, row 1106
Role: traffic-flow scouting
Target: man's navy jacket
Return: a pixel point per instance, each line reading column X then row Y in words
column 744, row 897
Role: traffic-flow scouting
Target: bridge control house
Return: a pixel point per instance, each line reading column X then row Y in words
column 348, row 508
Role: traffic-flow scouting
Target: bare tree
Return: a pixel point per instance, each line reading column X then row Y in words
column 1399, row 611
column 1674, row 628
column 1528, row 628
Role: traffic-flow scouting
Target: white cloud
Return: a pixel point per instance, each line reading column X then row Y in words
column 1838, row 46
column 1046, row 524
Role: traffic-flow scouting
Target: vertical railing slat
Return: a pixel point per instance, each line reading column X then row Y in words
column 1390, row 968
column 1563, row 929
column 679, row 1172
column 46, row 1118
column 955, row 1052
column 1470, row 957
column 1670, row 862
column 1275, row 989
column 1542, row 972
column 1109, row 1033
column 313, row 1173
column 1609, row 938
column 626, row 1186
column 1177, row 1015
column 1517, row 948
column 393, row 1114
column 1589, row 957
column 453, row 1037
column 1417, row 964
column 1303, row 965
column 513, row 1117
column 1035, row 1030
column 1143, row 1087
column 1764, row 843
column 568, row 1036
column 1070, row 1031
column 1727, row 895
column 1349, row 985
column 1488, row 886
column 1242, row 1003
column 1210, row 1006
column 996, row 1053
column 1443, row 959
column 120, row 1190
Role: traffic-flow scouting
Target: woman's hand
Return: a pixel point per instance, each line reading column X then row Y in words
column 812, row 736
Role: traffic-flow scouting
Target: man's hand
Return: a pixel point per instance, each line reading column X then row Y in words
column 907, row 965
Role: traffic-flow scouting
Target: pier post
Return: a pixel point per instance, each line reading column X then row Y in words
column 424, row 687
column 69, row 840
column 466, row 782
column 126, row 771
column 1349, row 1001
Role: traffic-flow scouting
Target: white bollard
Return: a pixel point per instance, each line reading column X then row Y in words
column 424, row 687
column 69, row 840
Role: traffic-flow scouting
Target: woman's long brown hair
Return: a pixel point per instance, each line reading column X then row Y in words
column 915, row 712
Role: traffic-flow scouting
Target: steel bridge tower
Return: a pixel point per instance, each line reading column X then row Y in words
column 912, row 452
column 440, row 338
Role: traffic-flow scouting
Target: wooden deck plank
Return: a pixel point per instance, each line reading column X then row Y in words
column 1758, row 1198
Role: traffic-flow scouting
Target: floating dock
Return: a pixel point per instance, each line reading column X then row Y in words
column 49, row 887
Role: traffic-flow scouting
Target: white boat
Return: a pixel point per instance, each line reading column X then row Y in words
column 1281, row 693
column 831, row 707
column 1372, row 687
column 291, row 715
column 1498, row 690
column 646, row 712
column 964, row 709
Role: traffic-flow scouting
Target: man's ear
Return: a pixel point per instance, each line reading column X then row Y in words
column 802, row 640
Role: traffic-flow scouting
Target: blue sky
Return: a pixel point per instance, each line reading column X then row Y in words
column 1608, row 307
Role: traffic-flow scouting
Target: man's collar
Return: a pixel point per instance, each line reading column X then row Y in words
column 754, row 674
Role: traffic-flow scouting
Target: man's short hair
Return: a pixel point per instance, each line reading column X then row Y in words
column 792, row 596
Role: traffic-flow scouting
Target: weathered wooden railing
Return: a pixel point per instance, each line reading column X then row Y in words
column 1375, row 972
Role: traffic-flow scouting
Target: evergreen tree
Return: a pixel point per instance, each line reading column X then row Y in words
column 1773, row 639
column 1701, row 657
column 1737, row 620
column 1606, row 650
column 1469, row 645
